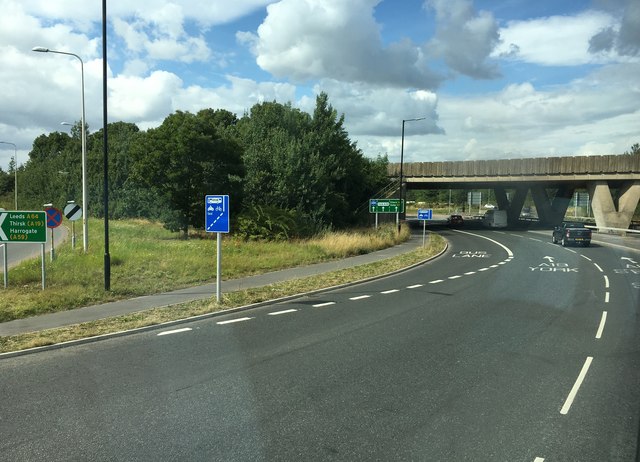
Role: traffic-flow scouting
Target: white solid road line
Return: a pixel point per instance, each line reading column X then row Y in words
column 576, row 386
column 320, row 305
column 175, row 331
column 606, row 282
column 507, row 249
column 603, row 320
column 598, row 266
column 360, row 297
column 385, row 292
column 231, row 321
column 276, row 313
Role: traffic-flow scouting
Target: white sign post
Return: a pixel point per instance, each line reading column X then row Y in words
column 424, row 215
column 216, row 214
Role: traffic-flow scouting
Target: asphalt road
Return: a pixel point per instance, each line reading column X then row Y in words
column 507, row 348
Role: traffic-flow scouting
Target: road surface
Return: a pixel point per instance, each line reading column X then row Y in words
column 507, row 348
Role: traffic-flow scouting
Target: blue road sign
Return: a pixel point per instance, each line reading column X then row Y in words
column 216, row 214
column 425, row 214
column 54, row 217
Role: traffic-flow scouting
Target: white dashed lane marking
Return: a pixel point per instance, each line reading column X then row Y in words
column 175, row 331
column 276, row 313
column 360, row 297
column 231, row 321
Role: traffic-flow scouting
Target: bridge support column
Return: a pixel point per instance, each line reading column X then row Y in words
column 515, row 207
column 551, row 212
column 604, row 208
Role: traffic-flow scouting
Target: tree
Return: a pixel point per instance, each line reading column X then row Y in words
column 183, row 160
column 635, row 150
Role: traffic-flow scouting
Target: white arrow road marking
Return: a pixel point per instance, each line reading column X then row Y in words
column 551, row 259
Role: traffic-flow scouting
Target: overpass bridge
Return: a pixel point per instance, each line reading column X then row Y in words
column 613, row 183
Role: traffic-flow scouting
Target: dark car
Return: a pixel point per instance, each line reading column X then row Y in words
column 571, row 233
column 455, row 220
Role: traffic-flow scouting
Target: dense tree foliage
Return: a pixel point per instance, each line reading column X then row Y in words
column 292, row 172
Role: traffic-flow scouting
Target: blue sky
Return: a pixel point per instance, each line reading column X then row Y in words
column 494, row 79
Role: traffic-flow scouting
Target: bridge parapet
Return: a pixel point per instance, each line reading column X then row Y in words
column 547, row 166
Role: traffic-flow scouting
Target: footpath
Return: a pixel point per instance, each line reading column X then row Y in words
column 122, row 307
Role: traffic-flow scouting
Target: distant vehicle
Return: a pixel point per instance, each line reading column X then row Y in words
column 526, row 212
column 495, row 219
column 571, row 233
column 489, row 206
column 455, row 220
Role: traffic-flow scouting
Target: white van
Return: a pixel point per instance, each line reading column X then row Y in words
column 495, row 219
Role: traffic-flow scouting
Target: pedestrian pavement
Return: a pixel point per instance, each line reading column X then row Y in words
column 122, row 307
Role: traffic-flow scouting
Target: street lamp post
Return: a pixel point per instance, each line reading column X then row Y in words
column 85, row 228
column 402, row 160
column 15, row 169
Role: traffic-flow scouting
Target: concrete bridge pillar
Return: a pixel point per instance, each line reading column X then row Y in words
column 514, row 207
column 605, row 211
column 552, row 212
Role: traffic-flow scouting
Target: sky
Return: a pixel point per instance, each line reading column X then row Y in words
column 489, row 79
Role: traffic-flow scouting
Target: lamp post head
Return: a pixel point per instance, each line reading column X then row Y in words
column 40, row 49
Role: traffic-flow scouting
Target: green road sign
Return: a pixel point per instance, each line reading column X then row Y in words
column 23, row 226
column 386, row 206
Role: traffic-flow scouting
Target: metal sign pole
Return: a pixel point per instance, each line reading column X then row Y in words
column 376, row 220
column 52, row 251
column 43, row 258
column 218, row 266
column 424, row 230
column 6, row 266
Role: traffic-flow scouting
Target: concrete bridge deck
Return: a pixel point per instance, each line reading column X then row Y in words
column 613, row 183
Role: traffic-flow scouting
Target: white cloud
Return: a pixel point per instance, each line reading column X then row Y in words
column 598, row 114
column 555, row 40
column 314, row 39
column 464, row 38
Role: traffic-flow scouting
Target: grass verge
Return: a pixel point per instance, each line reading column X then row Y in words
column 147, row 259
column 234, row 299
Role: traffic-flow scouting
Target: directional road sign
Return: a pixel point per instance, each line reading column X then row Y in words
column 425, row 214
column 54, row 217
column 386, row 206
column 23, row 226
column 216, row 215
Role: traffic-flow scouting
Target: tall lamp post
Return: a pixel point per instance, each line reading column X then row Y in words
column 85, row 228
column 15, row 168
column 402, row 159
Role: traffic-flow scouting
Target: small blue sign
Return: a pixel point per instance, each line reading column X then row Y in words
column 425, row 214
column 216, row 214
